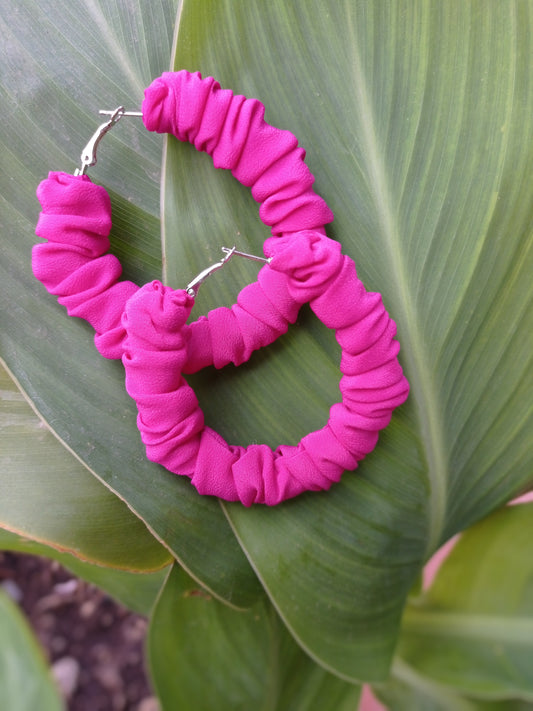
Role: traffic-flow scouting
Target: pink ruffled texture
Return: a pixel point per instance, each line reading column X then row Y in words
column 73, row 264
column 301, row 266
column 76, row 215
column 232, row 129
column 171, row 422
column 147, row 327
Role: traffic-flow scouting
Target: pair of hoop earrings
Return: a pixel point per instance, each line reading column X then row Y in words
column 148, row 327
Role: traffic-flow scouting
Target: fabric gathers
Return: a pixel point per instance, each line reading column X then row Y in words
column 148, row 327
column 232, row 129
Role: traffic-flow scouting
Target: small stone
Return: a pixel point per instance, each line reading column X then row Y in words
column 150, row 703
column 87, row 609
column 109, row 677
column 66, row 671
column 134, row 629
column 13, row 590
column 67, row 588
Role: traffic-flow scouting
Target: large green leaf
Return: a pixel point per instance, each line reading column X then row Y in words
column 204, row 655
column 48, row 496
column 417, row 121
column 474, row 629
column 61, row 62
column 24, row 677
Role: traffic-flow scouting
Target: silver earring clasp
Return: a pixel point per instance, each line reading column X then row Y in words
column 106, row 112
column 88, row 155
column 193, row 287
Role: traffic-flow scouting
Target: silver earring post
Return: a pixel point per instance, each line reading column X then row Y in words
column 88, row 155
column 194, row 286
column 106, row 112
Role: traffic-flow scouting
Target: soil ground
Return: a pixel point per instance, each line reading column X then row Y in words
column 94, row 645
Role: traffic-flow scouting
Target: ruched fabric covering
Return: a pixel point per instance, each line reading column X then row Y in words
column 148, row 327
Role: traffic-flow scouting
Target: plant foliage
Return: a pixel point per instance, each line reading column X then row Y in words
column 416, row 118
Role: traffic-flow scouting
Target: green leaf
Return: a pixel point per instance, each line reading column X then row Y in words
column 49, row 496
column 408, row 690
column 24, row 677
column 136, row 591
column 416, row 120
column 204, row 655
column 62, row 62
column 474, row 631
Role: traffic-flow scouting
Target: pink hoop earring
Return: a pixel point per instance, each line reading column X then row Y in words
column 148, row 327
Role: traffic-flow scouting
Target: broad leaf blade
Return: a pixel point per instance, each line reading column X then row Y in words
column 474, row 631
column 417, row 124
column 49, row 496
column 24, row 677
column 63, row 62
column 204, row 655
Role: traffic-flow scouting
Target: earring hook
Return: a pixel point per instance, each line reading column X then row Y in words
column 88, row 155
column 194, row 286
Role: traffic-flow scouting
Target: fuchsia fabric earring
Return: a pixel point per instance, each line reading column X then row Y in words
column 147, row 327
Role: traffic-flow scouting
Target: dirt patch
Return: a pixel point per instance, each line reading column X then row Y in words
column 94, row 645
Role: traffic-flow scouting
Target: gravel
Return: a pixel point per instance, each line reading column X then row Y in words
column 94, row 645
